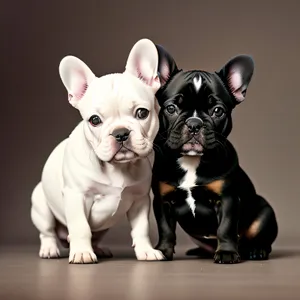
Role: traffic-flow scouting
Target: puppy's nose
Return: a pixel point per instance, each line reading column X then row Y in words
column 194, row 124
column 121, row 134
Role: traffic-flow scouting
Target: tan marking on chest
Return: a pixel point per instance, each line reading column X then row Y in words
column 253, row 230
column 165, row 188
column 216, row 186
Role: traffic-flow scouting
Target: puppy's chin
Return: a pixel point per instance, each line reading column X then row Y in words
column 124, row 156
column 116, row 154
column 192, row 149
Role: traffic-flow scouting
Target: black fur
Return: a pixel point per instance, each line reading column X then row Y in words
column 227, row 205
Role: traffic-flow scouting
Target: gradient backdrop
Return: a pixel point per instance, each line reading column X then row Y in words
column 36, row 35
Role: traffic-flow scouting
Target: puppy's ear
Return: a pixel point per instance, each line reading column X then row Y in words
column 237, row 74
column 76, row 77
column 167, row 65
column 142, row 62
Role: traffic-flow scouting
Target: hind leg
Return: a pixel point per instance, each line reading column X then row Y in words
column 44, row 221
column 256, row 242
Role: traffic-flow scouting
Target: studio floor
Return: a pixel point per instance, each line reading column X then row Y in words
column 24, row 276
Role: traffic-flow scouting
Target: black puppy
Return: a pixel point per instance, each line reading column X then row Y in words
column 197, row 179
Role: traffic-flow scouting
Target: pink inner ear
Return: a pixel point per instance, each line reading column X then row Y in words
column 165, row 72
column 235, row 84
column 80, row 93
column 79, row 86
column 140, row 74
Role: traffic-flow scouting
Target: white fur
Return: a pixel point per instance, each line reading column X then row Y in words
column 189, row 164
column 197, row 83
column 82, row 184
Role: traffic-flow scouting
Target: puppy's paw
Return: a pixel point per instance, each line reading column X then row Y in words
column 49, row 252
column 255, row 254
column 148, row 253
column 167, row 251
column 102, row 252
column 226, row 257
column 49, row 248
column 82, row 257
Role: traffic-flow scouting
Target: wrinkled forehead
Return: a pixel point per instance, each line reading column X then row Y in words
column 197, row 87
column 118, row 91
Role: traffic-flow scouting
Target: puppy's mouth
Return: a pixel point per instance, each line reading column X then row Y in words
column 124, row 155
column 192, row 148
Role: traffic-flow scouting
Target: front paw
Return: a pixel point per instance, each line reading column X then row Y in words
column 148, row 253
column 226, row 257
column 167, row 250
column 49, row 248
column 82, row 255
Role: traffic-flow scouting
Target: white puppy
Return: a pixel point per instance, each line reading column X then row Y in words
column 103, row 170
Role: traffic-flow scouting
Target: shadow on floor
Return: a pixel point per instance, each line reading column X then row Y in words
column 121, row 255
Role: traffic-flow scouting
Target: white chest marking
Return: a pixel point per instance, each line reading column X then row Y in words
column 197, row 83
column 189, row 164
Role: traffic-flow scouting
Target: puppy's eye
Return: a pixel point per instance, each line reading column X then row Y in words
column 218, row 112
column 142, row 113
column 95, row 120
column 171, row 109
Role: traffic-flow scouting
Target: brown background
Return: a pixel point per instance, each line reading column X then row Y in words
column 36, row 35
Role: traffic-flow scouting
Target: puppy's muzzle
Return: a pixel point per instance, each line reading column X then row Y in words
column 194, row 124
column 121, row 134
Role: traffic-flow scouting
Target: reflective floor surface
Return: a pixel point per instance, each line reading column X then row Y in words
column 24, row 276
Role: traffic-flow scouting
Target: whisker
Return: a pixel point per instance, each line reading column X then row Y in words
column 217, row 133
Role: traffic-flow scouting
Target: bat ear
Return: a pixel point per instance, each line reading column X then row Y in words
column 76, row 77
column 237, row 74
column 142, row 62
column 166, row 66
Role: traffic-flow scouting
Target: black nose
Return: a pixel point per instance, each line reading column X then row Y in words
column 194, row 124
column 121, row 134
